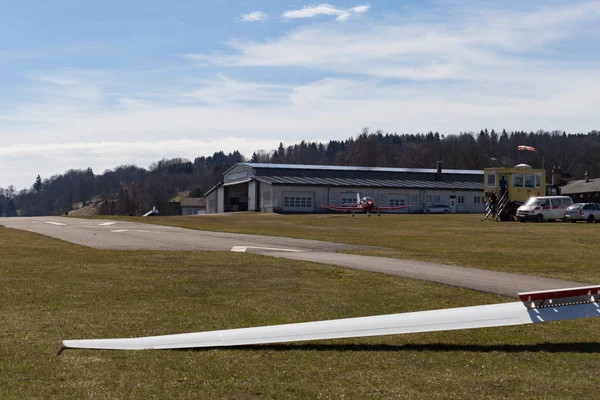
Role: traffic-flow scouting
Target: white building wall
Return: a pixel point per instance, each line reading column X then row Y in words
column 220, row 199
column 252, row 206
column 211, row 202
column 237, row 173
column 266, row 197
column 271, row 197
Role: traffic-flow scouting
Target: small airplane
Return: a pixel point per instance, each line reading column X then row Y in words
column 364, row 204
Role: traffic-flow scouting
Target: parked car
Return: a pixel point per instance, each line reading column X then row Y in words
column 437, row 209
column 589, row 212
column 544, row 208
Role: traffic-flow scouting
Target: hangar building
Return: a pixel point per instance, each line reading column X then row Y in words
column 292, row 188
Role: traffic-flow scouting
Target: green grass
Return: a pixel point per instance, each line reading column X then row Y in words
column 99, row 293
column 555, row 250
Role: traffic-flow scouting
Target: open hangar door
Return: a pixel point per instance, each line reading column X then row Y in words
column 298, row 202
column 236, row 197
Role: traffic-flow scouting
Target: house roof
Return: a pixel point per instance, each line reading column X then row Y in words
column 382, row 183
column 573, row 187
column 193, row 202
column 351, row 168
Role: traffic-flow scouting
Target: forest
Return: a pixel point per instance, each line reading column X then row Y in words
column 133, row 190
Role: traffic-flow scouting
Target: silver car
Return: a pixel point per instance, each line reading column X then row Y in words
column 438, row 209
column 589, row 212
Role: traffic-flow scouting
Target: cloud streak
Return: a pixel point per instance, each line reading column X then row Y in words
column 255, row 16
column 325, row 9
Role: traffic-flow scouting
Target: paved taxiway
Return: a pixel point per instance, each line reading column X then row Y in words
column 106, row 234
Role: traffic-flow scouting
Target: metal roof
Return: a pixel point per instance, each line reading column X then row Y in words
column 193, row 202
column 581, row 186
column 383, row 183
column 350, row 168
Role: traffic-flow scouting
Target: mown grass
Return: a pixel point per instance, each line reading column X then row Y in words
column 99, row 293
column 555, row 250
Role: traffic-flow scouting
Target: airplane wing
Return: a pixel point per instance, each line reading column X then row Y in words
column 393, row 208
column 534, row 307
column 343, row 208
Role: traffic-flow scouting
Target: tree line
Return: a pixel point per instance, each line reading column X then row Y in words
column 132, row 190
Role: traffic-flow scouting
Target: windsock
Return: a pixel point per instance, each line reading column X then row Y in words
column 527, row 148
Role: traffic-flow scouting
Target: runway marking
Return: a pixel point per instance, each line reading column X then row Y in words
column 242, row 249
column 106, row 223
column 129, row 230
column 55, row 223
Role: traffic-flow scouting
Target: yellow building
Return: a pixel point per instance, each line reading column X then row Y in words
column 522, row 182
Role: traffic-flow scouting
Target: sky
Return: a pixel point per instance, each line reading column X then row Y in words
column 102, row 84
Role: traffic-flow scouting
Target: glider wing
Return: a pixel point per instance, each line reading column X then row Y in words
column 578, row 303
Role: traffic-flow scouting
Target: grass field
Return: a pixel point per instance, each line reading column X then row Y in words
column 555, row 250
column 98, row 293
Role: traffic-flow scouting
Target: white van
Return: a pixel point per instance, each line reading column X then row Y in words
column 544, row 208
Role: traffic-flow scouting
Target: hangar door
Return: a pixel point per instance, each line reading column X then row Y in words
column 298, row 202
column 396, row 200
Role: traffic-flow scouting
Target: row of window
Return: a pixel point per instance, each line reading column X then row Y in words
column 528, row 180
column 395, row 202
column 297, row 202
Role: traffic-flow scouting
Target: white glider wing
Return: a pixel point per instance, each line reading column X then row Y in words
column 535, row 307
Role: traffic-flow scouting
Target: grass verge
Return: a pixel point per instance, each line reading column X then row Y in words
column 98, row 293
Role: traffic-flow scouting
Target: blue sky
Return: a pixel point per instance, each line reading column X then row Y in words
column 130, row 82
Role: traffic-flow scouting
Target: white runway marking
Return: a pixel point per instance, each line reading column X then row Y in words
column 242, row 249
column 107, row 223
column 55, row 223
column 129, row 230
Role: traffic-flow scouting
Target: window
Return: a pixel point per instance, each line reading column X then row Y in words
column 477, row 200
column 297, row 202
column 491, row 179
column 348, row 200
column 529, row 180
column 380, row 198
column 518, row 180
column 396, row 202
column 461, row 200
column 415, row 198
column 538, row 179
column 428, row 198
column 436, row 199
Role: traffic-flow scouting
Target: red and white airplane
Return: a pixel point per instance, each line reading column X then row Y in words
column 364, row 204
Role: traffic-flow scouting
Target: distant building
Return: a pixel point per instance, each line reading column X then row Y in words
column 193, row 206
column 583, row 191
column 291, row 188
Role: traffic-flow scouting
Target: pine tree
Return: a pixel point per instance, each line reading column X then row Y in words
column 37, row 186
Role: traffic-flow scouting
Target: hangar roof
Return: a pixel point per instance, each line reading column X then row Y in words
column 383, row 183
column 581, row 186
column 350, row 168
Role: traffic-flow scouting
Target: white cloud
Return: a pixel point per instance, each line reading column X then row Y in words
column 474, row 45
column 226, row 91
column 254, row 16
column 325, row 9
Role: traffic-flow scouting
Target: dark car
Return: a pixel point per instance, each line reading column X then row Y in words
column 589, row 212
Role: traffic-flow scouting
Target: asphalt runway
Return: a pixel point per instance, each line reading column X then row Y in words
column 118, row 235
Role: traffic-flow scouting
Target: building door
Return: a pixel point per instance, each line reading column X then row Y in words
column 453, row 204
column 298, row 202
